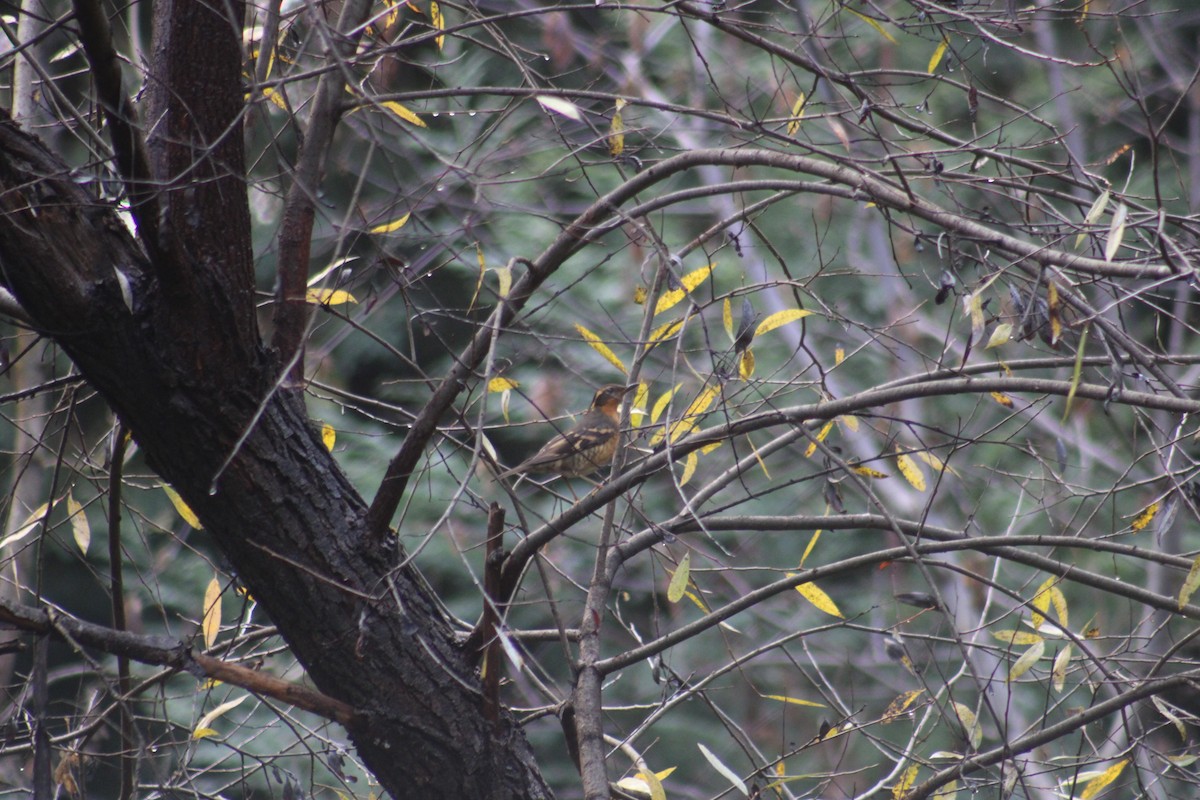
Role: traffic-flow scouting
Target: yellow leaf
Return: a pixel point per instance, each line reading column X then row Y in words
column 182, row 508
column 1190, row 583
column 781, row 318
column 660, row 404
column 394, row 225
column 815, row 595
column 505, row 276
column 639, row 295
column 911, row 472
column 1016, row 637
column 616, row 131
column 328, row 297
column 970, row 724
column 1058, row 675
column 700, row 604
column 1001, row 334
column 839, row 355
column 1047, row 595
column 689, row 282
column 689, row 467
column 811, row 544
column 328, row 436
column 27, row 527
column 479, row 282
column 679, row 579
column 1055, row 313
column 637, row 411
column 935, row 462
column 812, row 446
column 210, row 624
column 901, row 704
column 497, row 385
column 402, row 111
column 727, row 317
column 867, row 472
column 936, row 58
column 874, row 25
column 275, row 97
column 636, row 786
column 653, row 784
column 1147, row 516
column 663, row 332
column 746, row 365
column 947, row 792
column 390, row 18
column 438, row 21
column 1002, row 399
column 1101, row 781
column 504, row 387
column 703, row 400
column 793, row 700
column 1027, row 660
column 676, row 431
column 80, row 529
column 797, row 115
column 204, row 726
column 686, row 423
column 909, row 776
column 851, row 423
column 600, row 347
column 761, row 464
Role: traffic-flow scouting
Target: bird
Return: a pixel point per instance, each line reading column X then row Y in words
column 585, row 447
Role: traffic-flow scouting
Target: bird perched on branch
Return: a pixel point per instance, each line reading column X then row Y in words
column 585, row 447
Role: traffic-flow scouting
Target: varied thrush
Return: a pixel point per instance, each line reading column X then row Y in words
column 585, row 447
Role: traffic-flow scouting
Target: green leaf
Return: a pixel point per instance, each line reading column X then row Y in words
column 1116, row 232
column 1093, row 214
column 1190, row 583
column 720, row 767
column 679, row 580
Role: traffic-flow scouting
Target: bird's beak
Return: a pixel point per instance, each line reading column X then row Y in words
column 630, row 388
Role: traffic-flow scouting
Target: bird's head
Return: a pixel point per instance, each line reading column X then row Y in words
column 608, row 398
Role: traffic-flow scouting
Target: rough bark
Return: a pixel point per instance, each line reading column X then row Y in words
column 173, row 346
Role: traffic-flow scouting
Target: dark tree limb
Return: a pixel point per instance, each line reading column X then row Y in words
column 166, row 652
column 292, row 310
column 173, row 346
column 128, row 142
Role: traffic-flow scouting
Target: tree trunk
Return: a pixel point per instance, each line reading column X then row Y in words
column 171, row 342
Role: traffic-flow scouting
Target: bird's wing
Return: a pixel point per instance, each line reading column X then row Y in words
column 570, row 443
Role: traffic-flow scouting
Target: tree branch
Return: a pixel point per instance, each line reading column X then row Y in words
column 166, row 652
